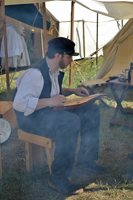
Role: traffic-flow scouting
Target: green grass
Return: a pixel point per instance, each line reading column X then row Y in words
column 83, row 70
column 115, row 144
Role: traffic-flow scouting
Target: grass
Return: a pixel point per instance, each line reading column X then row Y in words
column 115, row 144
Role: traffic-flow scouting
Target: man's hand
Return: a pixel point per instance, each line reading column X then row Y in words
column 57, row 100
column 81, row 91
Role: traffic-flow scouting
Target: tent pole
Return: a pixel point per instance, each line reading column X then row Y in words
column 97, row 41
column 6, row 52
column 84, row 37
column 42, row 44
column 72, row 32
column 122, row 23
column 44, row 27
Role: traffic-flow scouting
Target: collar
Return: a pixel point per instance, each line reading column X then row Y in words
column 56, row 73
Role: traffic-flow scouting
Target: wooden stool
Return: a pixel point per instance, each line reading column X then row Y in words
column 34, row 146
column 7, row 112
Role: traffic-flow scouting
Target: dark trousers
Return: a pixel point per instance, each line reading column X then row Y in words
column 66, row 126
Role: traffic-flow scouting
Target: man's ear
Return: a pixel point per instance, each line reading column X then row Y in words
column 57, row 56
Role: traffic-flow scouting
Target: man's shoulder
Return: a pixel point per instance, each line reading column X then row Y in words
column 39, row 63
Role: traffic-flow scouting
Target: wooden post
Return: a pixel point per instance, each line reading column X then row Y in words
column 42, row 44
column 72, row 33
column 2, row 2
column 121, row 23
column 97, row 41
column 83, row 37
column 44, row 27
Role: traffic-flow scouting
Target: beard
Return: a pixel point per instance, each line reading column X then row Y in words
column 62, row 64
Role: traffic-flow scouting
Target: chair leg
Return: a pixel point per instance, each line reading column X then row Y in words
column 29, row 163
column 50, row 156
column 37, row 156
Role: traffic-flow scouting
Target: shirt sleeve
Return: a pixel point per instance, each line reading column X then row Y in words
column 29, row 88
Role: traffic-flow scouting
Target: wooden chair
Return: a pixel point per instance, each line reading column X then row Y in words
column 34, row 146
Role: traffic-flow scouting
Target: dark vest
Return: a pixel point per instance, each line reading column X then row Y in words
column 43, row 67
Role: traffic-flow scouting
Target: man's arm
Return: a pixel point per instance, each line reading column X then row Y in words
column 29, row 87
column 81, row 91
column 57, row 100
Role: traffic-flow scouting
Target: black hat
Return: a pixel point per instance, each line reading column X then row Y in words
column 62, row 45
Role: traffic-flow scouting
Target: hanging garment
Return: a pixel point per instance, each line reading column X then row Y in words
column 17, row 49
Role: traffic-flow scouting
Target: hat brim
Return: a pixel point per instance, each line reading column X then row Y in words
column 76, row 54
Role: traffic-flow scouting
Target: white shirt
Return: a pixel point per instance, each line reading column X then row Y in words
column 29, row 87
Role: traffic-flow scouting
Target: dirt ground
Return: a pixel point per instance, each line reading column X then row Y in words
column 115, row 144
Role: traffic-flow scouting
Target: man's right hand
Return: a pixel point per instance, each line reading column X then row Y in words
column 57, row 100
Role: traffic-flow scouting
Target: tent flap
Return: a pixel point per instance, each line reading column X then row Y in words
column 26, row 13
column 118, row 53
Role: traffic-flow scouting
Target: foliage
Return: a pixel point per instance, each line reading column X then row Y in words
column 83, row 70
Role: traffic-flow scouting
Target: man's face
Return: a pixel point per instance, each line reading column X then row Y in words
column 65, row 61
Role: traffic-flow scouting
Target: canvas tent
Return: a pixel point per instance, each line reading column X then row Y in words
column 85, row 17
column 85, row 27
column 26, row 13
column 116, row 9
column 32, row 20
column 118, row 53
column 44, row 24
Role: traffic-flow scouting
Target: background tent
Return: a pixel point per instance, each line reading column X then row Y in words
column 118, row 53
column 32, row 19
column 85, row 27
column 85, row 17
column 115, row 9
column 26, row 13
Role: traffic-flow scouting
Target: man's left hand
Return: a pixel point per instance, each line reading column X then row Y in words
column 81, row 91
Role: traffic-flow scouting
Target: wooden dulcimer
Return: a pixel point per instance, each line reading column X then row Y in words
column 78, row 102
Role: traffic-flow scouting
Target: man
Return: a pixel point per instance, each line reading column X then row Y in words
column 38, row 90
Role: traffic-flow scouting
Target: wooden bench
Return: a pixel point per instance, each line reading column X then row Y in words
column 34, row 146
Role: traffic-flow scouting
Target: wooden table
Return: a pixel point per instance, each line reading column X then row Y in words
column 113, row 85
